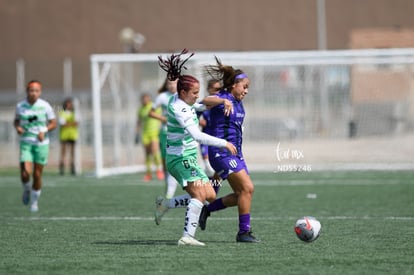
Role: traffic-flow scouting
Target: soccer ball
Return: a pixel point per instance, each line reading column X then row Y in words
column 307, row 229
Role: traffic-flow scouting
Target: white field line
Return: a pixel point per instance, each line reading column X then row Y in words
column 266, row 182
column 138, row 218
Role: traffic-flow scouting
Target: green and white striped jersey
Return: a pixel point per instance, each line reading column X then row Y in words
column 184, row 135
column 180, row 115
column 33, row 118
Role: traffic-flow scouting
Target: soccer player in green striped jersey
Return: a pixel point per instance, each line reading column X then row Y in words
column 183, row 138
column 34, row 119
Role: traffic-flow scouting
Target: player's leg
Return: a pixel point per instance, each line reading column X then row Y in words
column 195, row 182
column 72, row 156
column 243, row 187
column 156, row 155
column 62, row 157
column 146, row 142
column 207, row 166
column 25, row 172
column 199, row 191
column 40, row 158
column 221, row 164
column 170, row 181
column 26, row 163
column 37, row 187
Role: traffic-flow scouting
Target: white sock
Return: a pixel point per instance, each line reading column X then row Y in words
column 208, row 169
column 171, row 186
column 191, row 217
column 179, row 201
column 35, row 194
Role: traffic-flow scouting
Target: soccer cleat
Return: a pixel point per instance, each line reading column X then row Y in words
column 187, row 240
column 202, row 221
column 160, row 209
column 26, row 197
column 247, row 237
column 34, row 207
column 147, row 177
column 160, row 175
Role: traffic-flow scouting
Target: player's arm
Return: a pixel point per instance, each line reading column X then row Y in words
column 206, row 139
column 153, row 113
column 212, row 101
column 19, row 129
column 72, row 123
column 51, row 125
column 184, row 117
column 51, row 119
column 202, row 122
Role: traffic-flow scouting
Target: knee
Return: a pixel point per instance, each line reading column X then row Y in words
column 246, row 190
column 210, row 195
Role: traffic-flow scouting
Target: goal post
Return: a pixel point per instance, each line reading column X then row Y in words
column 295, row 97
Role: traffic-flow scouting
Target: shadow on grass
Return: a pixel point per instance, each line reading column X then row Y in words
column 147, row 242
column 137, row 242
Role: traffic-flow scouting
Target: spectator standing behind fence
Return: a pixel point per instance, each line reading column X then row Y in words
column 68, row 135
column 33, row 120
column 149, row 129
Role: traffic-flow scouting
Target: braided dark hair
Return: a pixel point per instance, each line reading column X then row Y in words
column 173, row 65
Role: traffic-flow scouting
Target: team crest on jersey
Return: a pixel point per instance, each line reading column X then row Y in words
column 233, row 163
column 194, row 173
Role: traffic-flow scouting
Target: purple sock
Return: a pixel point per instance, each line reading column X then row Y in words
column 244, row 223
column 216, row 205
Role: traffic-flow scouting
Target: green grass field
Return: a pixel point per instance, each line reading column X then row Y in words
column 105, row 226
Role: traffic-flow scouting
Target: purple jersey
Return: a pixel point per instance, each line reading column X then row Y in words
column 228, row 127
column 206, row 116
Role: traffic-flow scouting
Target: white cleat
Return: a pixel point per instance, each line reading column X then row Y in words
column 34, row 207
column 187, row 240
column 160, row 209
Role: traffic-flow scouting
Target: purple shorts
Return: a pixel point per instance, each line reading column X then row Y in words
column 224, row 165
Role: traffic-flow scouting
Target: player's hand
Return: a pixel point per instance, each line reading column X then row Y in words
column 231, row 148
column 228, row 107
column 20, row 130
column 41, row 136
column 216, row 177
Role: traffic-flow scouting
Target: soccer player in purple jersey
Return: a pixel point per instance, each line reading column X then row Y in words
column 231, row 167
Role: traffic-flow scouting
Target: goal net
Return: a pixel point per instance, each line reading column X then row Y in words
column 305, row 110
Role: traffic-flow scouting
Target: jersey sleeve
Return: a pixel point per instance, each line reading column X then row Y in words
column 158, row 102
column 199, row 107
column 49, row 112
